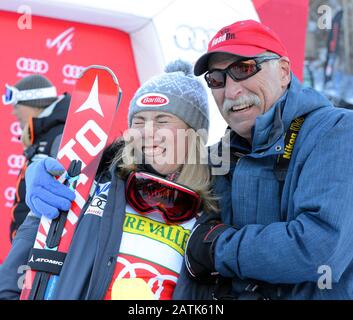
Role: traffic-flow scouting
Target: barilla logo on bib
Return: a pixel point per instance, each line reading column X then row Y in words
column 152, row 100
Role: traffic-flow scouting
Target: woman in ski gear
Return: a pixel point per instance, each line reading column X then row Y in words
column 151, row 187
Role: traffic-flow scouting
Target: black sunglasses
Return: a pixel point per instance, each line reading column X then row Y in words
column 238, row 71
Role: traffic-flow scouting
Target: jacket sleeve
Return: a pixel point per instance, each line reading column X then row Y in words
column 320, row 235
column 12, row 270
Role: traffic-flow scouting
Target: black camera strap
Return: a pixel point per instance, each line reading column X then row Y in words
column 282, row 163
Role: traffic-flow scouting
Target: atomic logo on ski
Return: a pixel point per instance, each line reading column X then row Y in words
column 92, row 101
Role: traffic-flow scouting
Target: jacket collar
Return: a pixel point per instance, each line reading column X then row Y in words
column 53, row 115
column 269, row 126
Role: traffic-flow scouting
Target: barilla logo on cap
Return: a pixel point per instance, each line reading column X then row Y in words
column 223, row 35
column 152, row 100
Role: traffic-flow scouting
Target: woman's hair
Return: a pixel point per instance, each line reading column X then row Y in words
column 195, row 173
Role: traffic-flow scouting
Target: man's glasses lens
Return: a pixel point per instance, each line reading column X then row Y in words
column 215, row 79
column 243, row 70
column 238, row 70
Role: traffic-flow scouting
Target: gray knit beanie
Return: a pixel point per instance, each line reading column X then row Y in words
column 176, row 91
column 35, row 81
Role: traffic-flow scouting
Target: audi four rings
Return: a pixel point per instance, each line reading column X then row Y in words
column 193, row 38
column 72, row 71
column 41, row 66
column 32, row 65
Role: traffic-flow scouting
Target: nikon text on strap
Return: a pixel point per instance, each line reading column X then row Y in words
column 282, row 163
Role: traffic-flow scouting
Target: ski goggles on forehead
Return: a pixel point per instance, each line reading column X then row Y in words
column 238, row 71
column 13, row 95
column 147, row 193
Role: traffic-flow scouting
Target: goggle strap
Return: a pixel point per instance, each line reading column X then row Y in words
column 34, row 94
column 27, row 95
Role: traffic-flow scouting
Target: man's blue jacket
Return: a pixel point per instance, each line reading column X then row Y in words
column 303, row 238
column 297, row 244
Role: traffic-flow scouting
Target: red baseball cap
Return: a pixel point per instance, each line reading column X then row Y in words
column 245, row 38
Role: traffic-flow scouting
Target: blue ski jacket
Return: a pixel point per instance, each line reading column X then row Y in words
column 91, row 260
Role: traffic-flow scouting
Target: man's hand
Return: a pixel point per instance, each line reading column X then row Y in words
column 44, row 194
column 199, row 253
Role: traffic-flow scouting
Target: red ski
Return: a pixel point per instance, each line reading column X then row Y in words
column 94, row 103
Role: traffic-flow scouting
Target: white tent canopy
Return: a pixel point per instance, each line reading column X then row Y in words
column 160, row 30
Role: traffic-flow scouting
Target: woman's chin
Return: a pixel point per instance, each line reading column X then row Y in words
column 165, row 169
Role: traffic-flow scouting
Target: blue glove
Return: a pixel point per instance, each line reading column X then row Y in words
column 44, row 194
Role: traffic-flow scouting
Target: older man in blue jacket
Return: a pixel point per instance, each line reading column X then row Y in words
column 287, row 204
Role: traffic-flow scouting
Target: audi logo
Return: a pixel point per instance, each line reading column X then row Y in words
column 193, row 38
column 10, row 193
column 16, row 161
column 32, row 65
column 15, row 129
column 72, row 71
